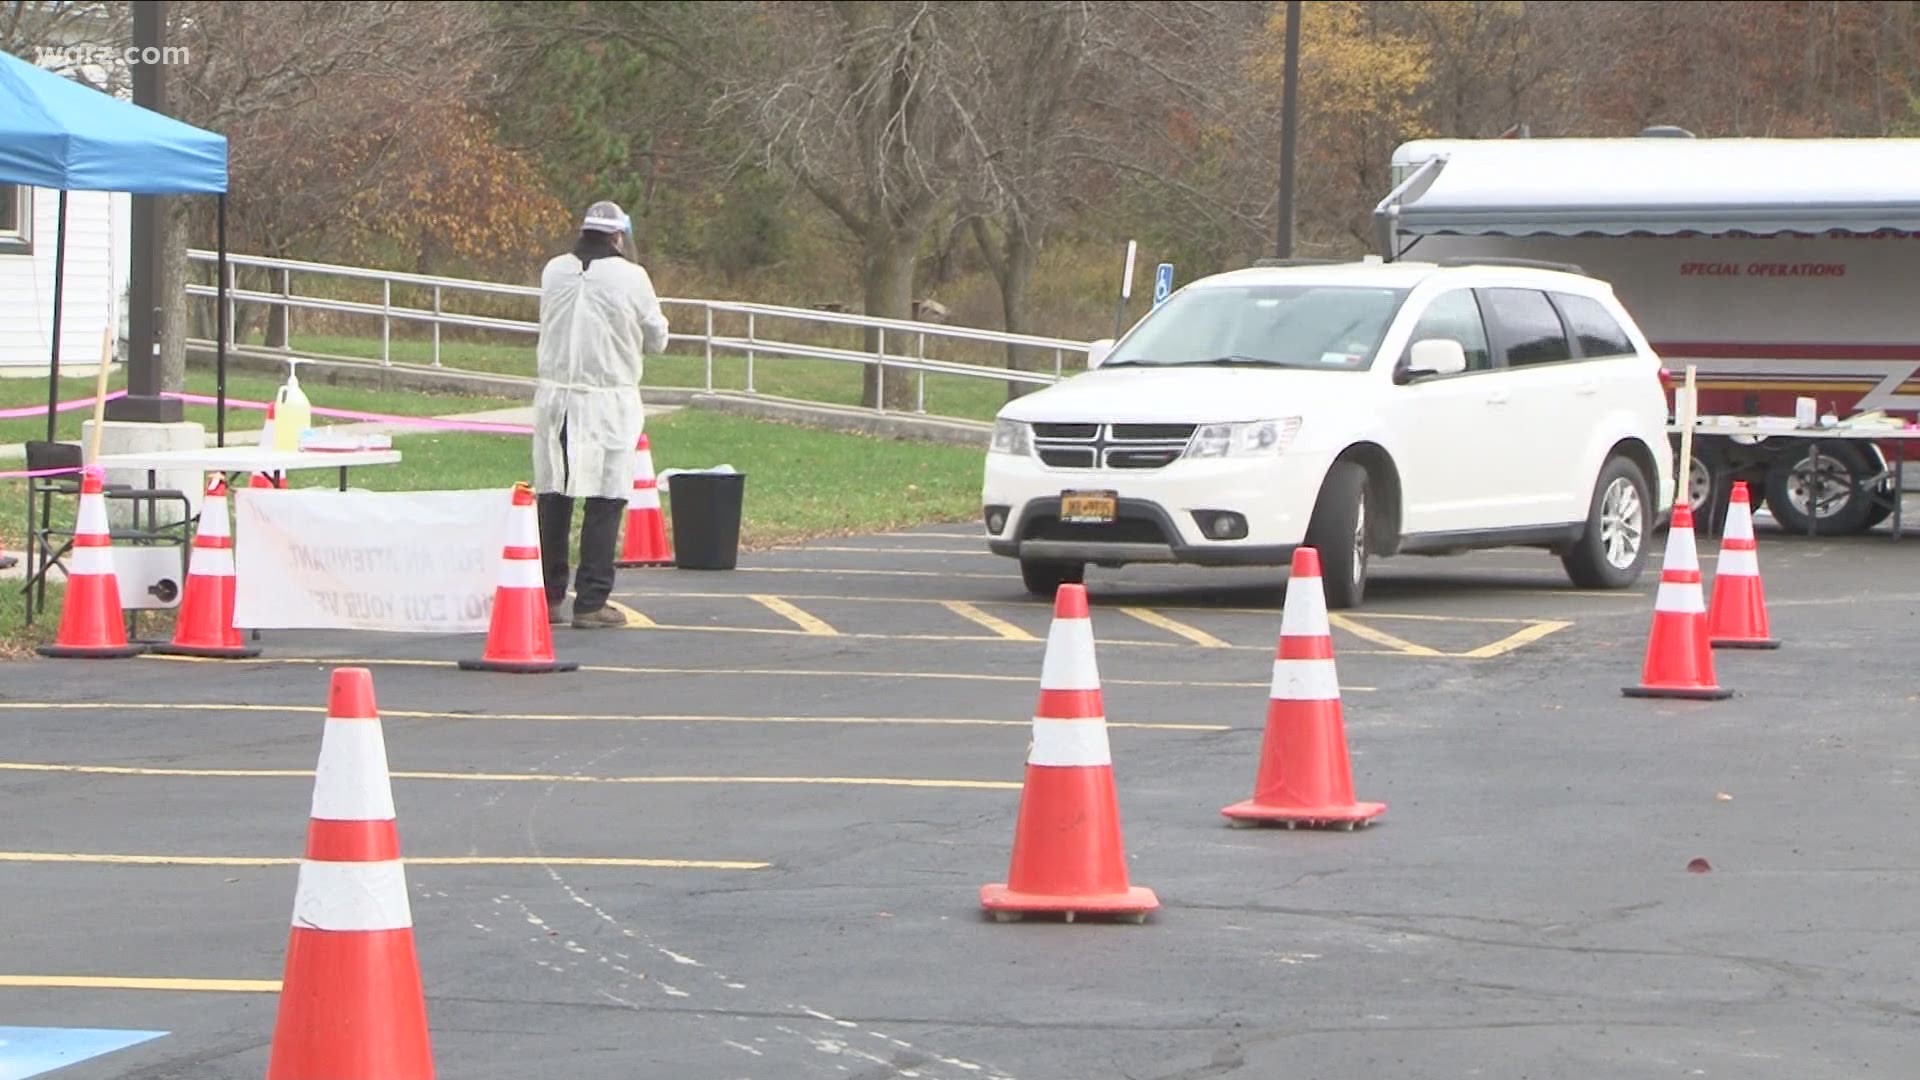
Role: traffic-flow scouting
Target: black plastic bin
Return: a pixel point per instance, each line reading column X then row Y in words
column 706, row 519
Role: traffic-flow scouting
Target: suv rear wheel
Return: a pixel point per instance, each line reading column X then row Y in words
column 1338, row 532
column 1612, row 551
column 1045, row 578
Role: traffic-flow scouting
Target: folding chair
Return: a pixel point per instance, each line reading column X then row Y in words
column 42, row 552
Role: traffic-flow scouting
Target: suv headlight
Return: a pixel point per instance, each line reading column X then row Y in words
column 1255, row 438
column 1011, row 437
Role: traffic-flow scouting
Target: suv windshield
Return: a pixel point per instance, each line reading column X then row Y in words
column 1330, row 327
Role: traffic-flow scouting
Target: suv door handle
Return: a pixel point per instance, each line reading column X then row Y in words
column 1587, row 389
column 1498, row 397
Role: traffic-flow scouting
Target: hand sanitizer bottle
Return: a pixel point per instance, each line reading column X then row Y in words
column 292, row 414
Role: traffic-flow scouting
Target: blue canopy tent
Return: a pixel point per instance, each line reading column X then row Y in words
column 60, row 134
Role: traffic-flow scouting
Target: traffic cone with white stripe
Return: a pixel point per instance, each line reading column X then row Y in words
column 1068, row 857
column 644, row 542
column 1679, row 661
column 1737, row 618
column 91, row 626
column 204, row 624
column 1305, row 777
column 351, row 1002
column 519, row 638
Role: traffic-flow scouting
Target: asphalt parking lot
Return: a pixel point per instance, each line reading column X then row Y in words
column 745, row 840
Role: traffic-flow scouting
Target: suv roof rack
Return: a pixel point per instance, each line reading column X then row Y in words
column 1505, row 260
column 1271, row 261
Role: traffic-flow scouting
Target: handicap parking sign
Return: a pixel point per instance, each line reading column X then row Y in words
column 1162, row 283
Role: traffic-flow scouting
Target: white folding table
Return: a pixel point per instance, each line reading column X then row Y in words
column 248, row 459
column 1785, row 427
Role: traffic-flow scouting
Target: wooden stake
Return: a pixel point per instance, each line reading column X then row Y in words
column 100, row 392
column 1683, row 480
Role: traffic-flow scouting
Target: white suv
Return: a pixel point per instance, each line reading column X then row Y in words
column 1360, row 408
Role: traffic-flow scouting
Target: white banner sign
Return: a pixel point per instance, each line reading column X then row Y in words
column 422, row 562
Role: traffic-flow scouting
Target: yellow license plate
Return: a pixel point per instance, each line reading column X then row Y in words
column 1088, row 507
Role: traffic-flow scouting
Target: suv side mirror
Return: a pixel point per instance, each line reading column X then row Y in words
column 1098, row 351
column 1436, row 356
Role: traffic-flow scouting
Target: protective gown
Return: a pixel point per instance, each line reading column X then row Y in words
column 596, row 326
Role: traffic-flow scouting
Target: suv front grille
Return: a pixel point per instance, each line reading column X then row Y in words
column 1111, row 446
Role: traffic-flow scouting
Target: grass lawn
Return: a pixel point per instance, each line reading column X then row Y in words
column 16, row 393
column 829, row 382
column 801, row 484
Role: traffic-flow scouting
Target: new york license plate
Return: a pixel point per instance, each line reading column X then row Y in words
column 1088, row 507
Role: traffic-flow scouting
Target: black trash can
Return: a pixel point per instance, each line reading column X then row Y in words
column 706, row 519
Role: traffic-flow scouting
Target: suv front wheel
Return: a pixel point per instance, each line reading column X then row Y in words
column 1612, row 550
column 1338, row 531
column 1045, row 578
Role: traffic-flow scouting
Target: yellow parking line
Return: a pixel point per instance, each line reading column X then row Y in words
column 635, row 620
column 117, row 982
column 1191, row 633
column 1380, row 637
column 460, row 860
column 886, row 551
column 517, row 778
column 410, row 714
column 799, row 618
column 992, row 622
column 870, row 573
column 780, row 673
column 1516, row 640
column 1098, row 604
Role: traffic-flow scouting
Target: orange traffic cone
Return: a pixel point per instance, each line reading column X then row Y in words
column 266, row 480
column 645, row 542
column 1737, row 618
column 519, row 638
column 1679, row 662
column 204, row 625
column 90, row 617
column 351, row 1002
column 1305, row 777
column 1067, row 851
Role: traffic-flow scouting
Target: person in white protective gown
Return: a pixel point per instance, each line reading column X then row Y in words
column 599, row 319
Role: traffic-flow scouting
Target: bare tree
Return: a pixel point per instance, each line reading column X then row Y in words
column 1032, row 66
column 865, row 106
column 316, row 100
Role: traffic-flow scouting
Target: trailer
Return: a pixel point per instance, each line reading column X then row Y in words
column 1780, row 269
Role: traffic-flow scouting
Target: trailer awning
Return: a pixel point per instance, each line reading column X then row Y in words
column 1657, row 186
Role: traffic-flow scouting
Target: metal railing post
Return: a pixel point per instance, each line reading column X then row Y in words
column 286, row 310
column 386, row 322
column 880, row 371
column 751, row 339
column 920, row 390
column 1058, row 360
column 233, row 307
column 709, row 347
column 436, row 326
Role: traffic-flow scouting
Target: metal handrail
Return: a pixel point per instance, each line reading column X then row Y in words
column 755, row 344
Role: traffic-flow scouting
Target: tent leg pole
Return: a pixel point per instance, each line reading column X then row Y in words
column 59, row 280
column 220, row 336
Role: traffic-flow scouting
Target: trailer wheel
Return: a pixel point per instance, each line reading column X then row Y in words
column 1843, row 508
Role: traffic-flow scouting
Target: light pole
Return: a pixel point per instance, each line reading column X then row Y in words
column 1289, row 132
column 146, row 310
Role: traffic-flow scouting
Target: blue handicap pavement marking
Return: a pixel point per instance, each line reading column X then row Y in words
column 27, row 1051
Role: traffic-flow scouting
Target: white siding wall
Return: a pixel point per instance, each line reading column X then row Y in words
column 96, row 280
